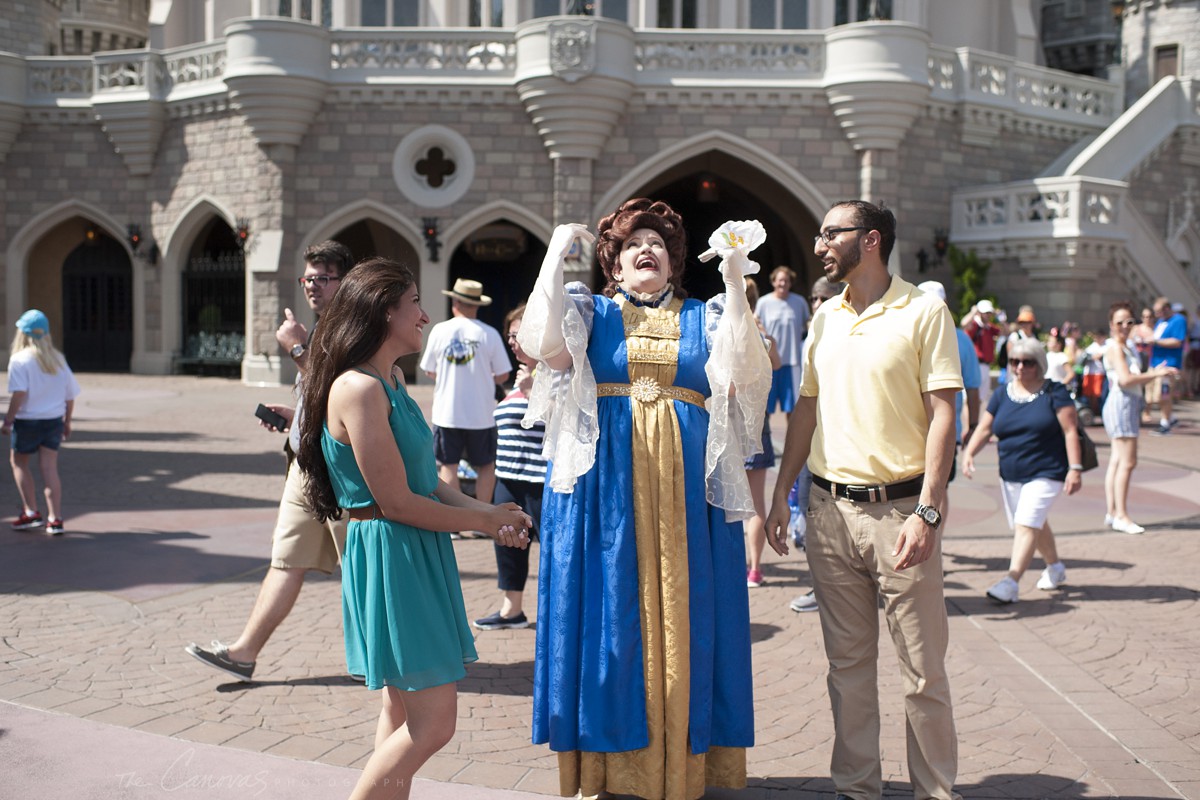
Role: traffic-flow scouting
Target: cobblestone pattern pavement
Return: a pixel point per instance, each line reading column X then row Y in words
column 1093, row 691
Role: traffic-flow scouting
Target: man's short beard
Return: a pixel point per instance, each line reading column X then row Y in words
column 845, row 264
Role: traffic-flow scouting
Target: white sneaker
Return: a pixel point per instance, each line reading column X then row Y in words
column 1004, row 592
column 1108, row 520
column 805, row 602
column 1121, row 526
column 1053, row 576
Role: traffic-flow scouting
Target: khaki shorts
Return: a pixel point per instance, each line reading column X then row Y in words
column 299, row 541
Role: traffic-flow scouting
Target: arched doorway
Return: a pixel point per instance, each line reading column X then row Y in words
column 505, row 257
column 213, row 285
column 714, row 187
column 368, row 238
column 97, row 305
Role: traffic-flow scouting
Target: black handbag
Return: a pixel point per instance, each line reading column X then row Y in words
column 1087, row 451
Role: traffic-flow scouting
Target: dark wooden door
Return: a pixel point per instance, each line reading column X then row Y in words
column 97, row 286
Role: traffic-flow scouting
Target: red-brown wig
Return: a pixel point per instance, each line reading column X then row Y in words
column 633, row 215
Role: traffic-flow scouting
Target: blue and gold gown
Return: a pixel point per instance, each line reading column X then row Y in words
column 642, row 677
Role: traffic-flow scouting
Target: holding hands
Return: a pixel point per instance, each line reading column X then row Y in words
column 509, row 525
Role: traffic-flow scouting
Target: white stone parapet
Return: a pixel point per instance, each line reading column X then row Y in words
column 877, row 75
column 995, row 91
column 277, row 71
column 128, row 100
column 675, row 57
column 575, row 76
column 1064, row 207
column 876, row 79
column 405, row 53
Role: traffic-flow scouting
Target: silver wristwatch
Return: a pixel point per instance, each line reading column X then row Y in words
column 931, row 515
column 298, row 350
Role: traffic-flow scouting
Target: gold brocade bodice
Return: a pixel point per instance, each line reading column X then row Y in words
column 651, row 341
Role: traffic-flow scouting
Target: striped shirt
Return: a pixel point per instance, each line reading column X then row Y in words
column 518, row 451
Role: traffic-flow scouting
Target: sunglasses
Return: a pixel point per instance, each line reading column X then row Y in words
column 319, row 280
column 1023, row 362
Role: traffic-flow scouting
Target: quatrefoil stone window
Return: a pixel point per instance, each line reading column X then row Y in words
column 433, row 166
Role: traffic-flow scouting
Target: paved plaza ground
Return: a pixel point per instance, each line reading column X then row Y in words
column 171, row 491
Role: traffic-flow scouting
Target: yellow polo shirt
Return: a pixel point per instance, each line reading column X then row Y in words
column 868, row 374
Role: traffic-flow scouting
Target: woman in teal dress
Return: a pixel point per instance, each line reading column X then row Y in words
column 402, row 608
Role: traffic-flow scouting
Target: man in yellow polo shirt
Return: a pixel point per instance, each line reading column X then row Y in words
column 875, row 423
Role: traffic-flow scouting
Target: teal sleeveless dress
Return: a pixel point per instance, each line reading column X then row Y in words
column 402, row 606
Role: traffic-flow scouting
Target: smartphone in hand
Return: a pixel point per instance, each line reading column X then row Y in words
column 277, row 421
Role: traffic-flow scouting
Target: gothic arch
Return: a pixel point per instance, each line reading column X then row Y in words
column 355, row 212
column 17, row 258
column 175, row 253
column 494, row 212
column 800, row 187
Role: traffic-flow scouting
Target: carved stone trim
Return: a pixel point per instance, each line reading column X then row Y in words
column 572, row 49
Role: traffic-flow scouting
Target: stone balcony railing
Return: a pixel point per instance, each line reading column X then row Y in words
column 995, row 88
column 374, row 53
column 56, row 81
column 675, row 57
column 1036, row 209
column 666, row 57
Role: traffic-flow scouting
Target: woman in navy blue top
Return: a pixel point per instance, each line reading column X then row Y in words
column 1036, row 428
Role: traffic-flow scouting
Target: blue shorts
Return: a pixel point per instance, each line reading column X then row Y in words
column 451, row 445
column 30, row 434
column 783, row 390
column 765, row 459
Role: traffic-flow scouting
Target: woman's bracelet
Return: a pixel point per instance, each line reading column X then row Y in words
column 1078, row 467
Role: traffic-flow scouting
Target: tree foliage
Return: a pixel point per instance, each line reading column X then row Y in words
column 970, row 275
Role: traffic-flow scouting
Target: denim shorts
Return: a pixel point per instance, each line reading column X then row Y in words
column 30, row 434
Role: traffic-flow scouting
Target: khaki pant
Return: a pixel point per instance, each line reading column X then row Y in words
column 849, row 551
column 300, row 541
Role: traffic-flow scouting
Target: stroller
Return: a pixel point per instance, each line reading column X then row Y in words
column 1088, row 389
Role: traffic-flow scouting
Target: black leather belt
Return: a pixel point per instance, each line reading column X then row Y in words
column 884, row 493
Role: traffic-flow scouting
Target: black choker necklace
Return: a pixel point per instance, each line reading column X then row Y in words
column 655, row 303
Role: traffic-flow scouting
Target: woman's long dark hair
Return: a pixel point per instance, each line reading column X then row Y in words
column 352, row 329
column 641, row 212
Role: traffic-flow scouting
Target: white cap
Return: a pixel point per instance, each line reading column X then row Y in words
column 985, row 307
column 934, row 288
column 1177, row 308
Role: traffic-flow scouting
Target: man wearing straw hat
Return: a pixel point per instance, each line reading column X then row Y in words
column 466, row 359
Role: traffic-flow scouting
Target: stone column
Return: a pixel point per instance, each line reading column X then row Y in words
column 12, row 100
column 877, row 82
column 575, row 76
column 278, row 75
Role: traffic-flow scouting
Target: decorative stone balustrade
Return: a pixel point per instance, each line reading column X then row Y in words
column 874, row 103
column 1058, row 227
column 995, row 90
column 1041, row 207
column 666, row 56
column 195, row 64
column 446, row 51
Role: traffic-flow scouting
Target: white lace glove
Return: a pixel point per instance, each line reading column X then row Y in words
column 564, row 400
column 541, row 334
column 739, row 374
